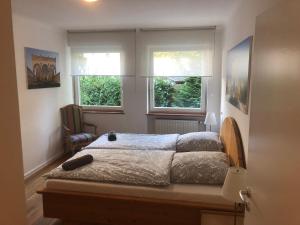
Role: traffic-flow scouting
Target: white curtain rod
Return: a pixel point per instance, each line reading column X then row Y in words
column 179, row 28
column 100, row 31
column 144, row 29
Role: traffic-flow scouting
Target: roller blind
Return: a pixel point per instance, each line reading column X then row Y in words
column 102, row 53
column 145, row 53
column 175, row 52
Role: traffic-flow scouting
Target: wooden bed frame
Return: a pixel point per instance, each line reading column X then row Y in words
column 76, row 208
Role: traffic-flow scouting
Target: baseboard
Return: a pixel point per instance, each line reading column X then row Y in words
column 35, row 170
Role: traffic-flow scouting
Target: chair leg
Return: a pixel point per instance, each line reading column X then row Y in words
column 65, row 146
column 70, row 147
column 73, row 150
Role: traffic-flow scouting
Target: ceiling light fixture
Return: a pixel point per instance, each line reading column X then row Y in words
column 91, row 0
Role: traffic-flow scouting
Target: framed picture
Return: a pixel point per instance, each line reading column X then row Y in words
column 42, row 68
column 238, row 75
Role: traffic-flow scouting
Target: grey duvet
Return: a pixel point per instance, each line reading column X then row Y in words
column 137, row 142
column 136, row 167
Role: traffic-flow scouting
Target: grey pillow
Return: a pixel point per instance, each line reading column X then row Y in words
column 199, row 168
column 199, row 141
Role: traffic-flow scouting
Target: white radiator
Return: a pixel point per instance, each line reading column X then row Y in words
column 165, row 126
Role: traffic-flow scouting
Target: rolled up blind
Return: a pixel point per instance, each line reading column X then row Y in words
column 175, row 52
column 102, row 53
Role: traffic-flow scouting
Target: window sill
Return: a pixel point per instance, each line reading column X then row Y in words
column 175, row 114
column 103, row 111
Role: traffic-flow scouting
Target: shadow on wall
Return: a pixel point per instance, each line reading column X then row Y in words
column 55, row 146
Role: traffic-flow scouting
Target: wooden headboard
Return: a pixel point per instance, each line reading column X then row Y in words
column 233, row 146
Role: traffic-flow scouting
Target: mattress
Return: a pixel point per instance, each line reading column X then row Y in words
column 177, row 192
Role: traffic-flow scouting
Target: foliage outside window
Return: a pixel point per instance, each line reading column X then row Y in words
column 100, row 90
column 177, row 92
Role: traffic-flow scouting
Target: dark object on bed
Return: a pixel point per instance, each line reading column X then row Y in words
column 78, row 162
column 112, row 136
column 74, row 135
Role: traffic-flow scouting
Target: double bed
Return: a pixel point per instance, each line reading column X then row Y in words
column 82, row 201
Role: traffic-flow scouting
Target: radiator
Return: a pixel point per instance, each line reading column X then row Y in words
column 165, row 126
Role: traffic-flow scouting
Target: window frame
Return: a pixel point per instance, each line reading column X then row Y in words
column 76, row 81
column 150, row 84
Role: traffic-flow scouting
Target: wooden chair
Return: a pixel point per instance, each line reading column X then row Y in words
column 74, row 134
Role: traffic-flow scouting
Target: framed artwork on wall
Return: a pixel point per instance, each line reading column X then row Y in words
column 42, row 68
column 238, row 75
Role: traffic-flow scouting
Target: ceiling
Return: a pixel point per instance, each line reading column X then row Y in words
column 119, row 14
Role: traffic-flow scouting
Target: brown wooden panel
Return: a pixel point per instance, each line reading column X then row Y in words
column 232, row 141
column 92, row 209
column 110, row 211
column 274, row 135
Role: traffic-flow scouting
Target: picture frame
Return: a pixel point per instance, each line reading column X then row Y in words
column 238, row 75
column 42, row 68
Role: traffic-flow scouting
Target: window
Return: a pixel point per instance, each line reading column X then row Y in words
column 176, row 84
column 173, row 61
column 104, row 89
column 99, row 60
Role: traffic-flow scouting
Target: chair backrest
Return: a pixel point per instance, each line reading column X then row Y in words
column 72, row 118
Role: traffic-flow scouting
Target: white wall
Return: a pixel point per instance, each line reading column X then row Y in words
column 135, row 101
column 39, row 108
column 240, row 26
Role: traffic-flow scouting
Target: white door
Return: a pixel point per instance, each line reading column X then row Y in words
column 274, row 148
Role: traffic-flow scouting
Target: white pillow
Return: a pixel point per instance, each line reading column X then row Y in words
column 199, row 141
column 199, row 168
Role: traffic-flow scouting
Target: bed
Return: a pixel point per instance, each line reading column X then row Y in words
column 84, row 203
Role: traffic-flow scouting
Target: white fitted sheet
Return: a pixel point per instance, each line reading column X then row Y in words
column 179, row 192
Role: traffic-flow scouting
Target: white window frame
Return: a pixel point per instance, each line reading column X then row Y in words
column 151, row 98
column 98, row 107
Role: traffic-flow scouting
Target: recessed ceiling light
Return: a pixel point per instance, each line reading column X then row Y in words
column 91, row 0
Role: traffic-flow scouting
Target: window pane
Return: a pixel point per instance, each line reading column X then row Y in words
column 100, row 90
column 181, row 92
